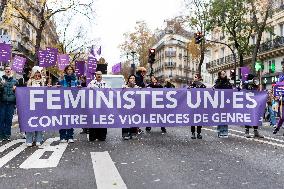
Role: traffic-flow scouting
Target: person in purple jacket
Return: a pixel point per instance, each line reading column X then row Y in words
column 281, row 120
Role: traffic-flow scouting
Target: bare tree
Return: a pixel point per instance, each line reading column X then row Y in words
column 44, row 10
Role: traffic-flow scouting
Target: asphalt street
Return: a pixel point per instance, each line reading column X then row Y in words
column 151, row 161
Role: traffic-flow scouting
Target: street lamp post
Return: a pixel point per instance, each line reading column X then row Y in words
column 133, row 62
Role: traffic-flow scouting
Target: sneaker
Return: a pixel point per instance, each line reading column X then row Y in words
column 225, row 136
column 193, row 136
column 127, row 137
column 199, row 136
column 38, row 144
column 63, row 141
column 164, row 130
column 70, row 141
column 247, row 135
column 275, row 131
column 257, row 135
column 29, row 144
column 139, row 132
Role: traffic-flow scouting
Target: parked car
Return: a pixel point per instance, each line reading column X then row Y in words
column 114, row 81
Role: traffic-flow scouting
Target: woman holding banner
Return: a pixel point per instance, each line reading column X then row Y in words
column 36, row 80
column 127, row 133
column 7, row 104
column 196, row 84
column 251, row 84
column 222, row 83
column 69, row 80
column 98, row 133
column 154, row 84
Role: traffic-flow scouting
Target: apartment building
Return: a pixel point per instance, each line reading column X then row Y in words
column 271, row 52
column 172, row 58
column 23, row 35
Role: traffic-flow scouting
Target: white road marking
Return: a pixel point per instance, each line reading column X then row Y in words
column 8, row 157
column 34, row 160
column 107, row 175
column 252, row 139
column 275, row 139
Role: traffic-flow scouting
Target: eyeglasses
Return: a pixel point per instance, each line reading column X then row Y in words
column 70, row 69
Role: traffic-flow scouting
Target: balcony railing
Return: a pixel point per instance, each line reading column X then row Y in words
column 271, row 45
column 170, row 53
column 221, row 61
column 170, row 64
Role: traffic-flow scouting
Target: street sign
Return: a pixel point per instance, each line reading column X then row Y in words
column 278, row 89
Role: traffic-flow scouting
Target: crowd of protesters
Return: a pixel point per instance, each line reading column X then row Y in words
column 36, row 78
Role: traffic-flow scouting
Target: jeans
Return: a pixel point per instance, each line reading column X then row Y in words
column 66, row 134
column 272, row 116
column 36, row 136
column 6, row 118
column 222, row 130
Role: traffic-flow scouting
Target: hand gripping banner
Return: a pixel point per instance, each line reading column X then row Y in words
column 44, row 109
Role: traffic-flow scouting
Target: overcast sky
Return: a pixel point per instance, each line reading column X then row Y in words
column 115, row 17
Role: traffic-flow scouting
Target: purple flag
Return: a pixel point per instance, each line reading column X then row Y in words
column 92, row 64
column 45, row 108
column 99, row 52
column 79, row 68
column 116, row 68
column 92, row 51
column 18, row 64
column 5, row 52
column 63, row 61
column 244, row 73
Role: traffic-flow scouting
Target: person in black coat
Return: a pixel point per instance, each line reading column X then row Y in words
column 251, row 84
column 196, row 84
column 154, row 84
column 140, row 74
column 222, row 83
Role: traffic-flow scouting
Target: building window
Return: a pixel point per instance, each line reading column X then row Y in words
column 3, row 31
column 222, row 52
column 271, row 33
column 253, row 40
column 281, row 29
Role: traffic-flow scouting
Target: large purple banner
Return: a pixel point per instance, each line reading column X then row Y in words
column 61, row 108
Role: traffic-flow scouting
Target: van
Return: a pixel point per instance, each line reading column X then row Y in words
column 114, row 81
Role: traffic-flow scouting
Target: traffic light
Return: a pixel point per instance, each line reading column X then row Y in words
column 232, row 74
column 198, row 37
column 152, row 53
column 272, row 67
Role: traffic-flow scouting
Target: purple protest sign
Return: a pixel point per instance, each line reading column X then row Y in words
column 51, row 56
column 79, row 68
column 5, row 52
column 116, row 68
column 89, row 77
column 63, row 61
column 47, row 57
column 63, row 108
column 244, row 73
column 92, row 64
column 41, row 54
column 18, row 64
